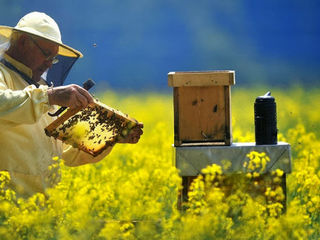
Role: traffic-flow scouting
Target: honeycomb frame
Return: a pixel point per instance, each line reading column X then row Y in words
column 93, row 128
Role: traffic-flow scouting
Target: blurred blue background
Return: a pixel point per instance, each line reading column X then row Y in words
column 132, row 45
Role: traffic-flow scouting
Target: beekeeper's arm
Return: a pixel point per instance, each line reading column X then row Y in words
column 24, row 106
column 74, row 157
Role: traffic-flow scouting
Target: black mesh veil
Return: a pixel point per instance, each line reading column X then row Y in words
column 58, row 72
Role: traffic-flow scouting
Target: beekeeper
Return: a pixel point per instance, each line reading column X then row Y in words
column 25, row 99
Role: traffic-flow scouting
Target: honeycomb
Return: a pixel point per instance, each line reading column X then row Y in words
column 92, row 129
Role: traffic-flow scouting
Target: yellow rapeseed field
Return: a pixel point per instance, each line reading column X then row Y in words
column 132, row 193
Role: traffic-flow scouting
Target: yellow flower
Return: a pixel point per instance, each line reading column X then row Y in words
column 249, row 175
column 256, row 174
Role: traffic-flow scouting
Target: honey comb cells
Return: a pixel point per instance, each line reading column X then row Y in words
column 92, row 129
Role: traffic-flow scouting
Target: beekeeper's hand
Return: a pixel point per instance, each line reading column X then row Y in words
column 72, row 96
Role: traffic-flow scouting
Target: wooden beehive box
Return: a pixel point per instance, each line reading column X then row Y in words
column 202, row 111
column 93, row 128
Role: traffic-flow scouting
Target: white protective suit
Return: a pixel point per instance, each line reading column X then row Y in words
column 25, row 150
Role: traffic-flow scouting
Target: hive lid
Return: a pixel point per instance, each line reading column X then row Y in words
column 92, row 129
column 201, row 78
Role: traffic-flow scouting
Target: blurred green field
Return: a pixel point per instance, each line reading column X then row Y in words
column 132, row 193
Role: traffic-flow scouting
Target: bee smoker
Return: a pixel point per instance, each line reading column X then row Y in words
column 265, row 119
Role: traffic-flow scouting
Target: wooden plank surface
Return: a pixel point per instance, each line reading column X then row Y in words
column 228, row 131
column 205, row 78
column 201, row 113
column 176, row 98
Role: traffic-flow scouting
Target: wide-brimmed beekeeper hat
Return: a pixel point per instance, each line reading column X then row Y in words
column 41, row 25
